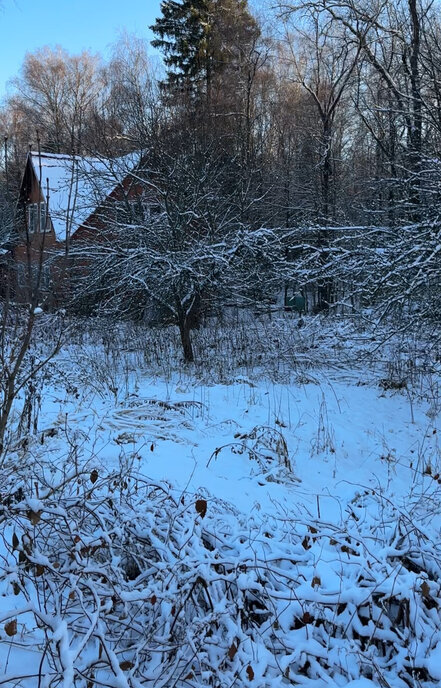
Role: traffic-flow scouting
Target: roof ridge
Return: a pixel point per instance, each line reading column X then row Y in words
column 66, row 156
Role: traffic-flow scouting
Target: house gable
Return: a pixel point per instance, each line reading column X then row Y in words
column 76, row 199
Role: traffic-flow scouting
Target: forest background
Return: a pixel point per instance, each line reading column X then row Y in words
column 302, row 138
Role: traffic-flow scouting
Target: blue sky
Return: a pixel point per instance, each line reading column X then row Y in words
column 74, row 24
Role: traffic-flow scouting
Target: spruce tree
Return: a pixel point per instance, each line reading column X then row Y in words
column 182, row 36
column 196, row 37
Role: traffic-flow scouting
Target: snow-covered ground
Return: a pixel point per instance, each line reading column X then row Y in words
column 299, row 540
column 341, row 437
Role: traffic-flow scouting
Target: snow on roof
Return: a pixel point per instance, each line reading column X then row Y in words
column 77, row 185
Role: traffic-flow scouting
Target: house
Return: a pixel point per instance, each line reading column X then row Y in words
column 65, row 199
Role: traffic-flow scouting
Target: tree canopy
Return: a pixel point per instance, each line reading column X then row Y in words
column 201, row 39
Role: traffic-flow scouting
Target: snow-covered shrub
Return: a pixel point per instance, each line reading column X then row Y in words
column 115, row 580
column 28, row 343
column 267, row 447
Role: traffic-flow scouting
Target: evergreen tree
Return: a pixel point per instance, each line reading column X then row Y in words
column 201, row 39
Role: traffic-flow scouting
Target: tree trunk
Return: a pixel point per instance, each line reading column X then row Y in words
column 416, row 136
column 184, row 331
column 325, row 285
column 326, row 176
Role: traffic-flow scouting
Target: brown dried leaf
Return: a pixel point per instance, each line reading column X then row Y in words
column 201, row 507
column 232, row 651
column 125, row 666
column 425, row 589
column 94, row 476
column 11, row 628
column 305, row 543
column 34, row 517
column 306, row 618
column 250, row 672
column 316, row 582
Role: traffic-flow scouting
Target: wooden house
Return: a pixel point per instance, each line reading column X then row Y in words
column 66, row 199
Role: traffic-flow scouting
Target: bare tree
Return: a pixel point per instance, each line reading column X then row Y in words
column 177, row 248
column 390, row 38
column 20, row 365
column 54, row 94
column 128, row 114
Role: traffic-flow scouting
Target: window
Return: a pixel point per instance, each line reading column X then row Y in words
column 39, row 274
column 37, row 217
column 21, row 275
column 45, row 277
column 143, row 211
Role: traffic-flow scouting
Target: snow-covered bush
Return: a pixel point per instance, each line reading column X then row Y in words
column 117, row 580
column 28, row 342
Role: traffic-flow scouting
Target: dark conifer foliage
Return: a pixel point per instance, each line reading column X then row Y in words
column 200, row 39
column 182, row 32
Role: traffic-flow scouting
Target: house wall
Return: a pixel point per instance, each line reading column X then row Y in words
column 99, row 229
column 104, row 216
column 60, row 263
column 33, row 253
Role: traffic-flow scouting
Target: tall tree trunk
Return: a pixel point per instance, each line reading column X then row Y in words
column 325, row 285
column 183, row 319
column 326, row 176
column 416, row 109
column 187, row 347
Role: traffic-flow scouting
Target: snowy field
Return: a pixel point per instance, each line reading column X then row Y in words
column 267, row 517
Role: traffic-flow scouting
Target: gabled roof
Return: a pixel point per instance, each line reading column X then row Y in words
column 77, row 185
